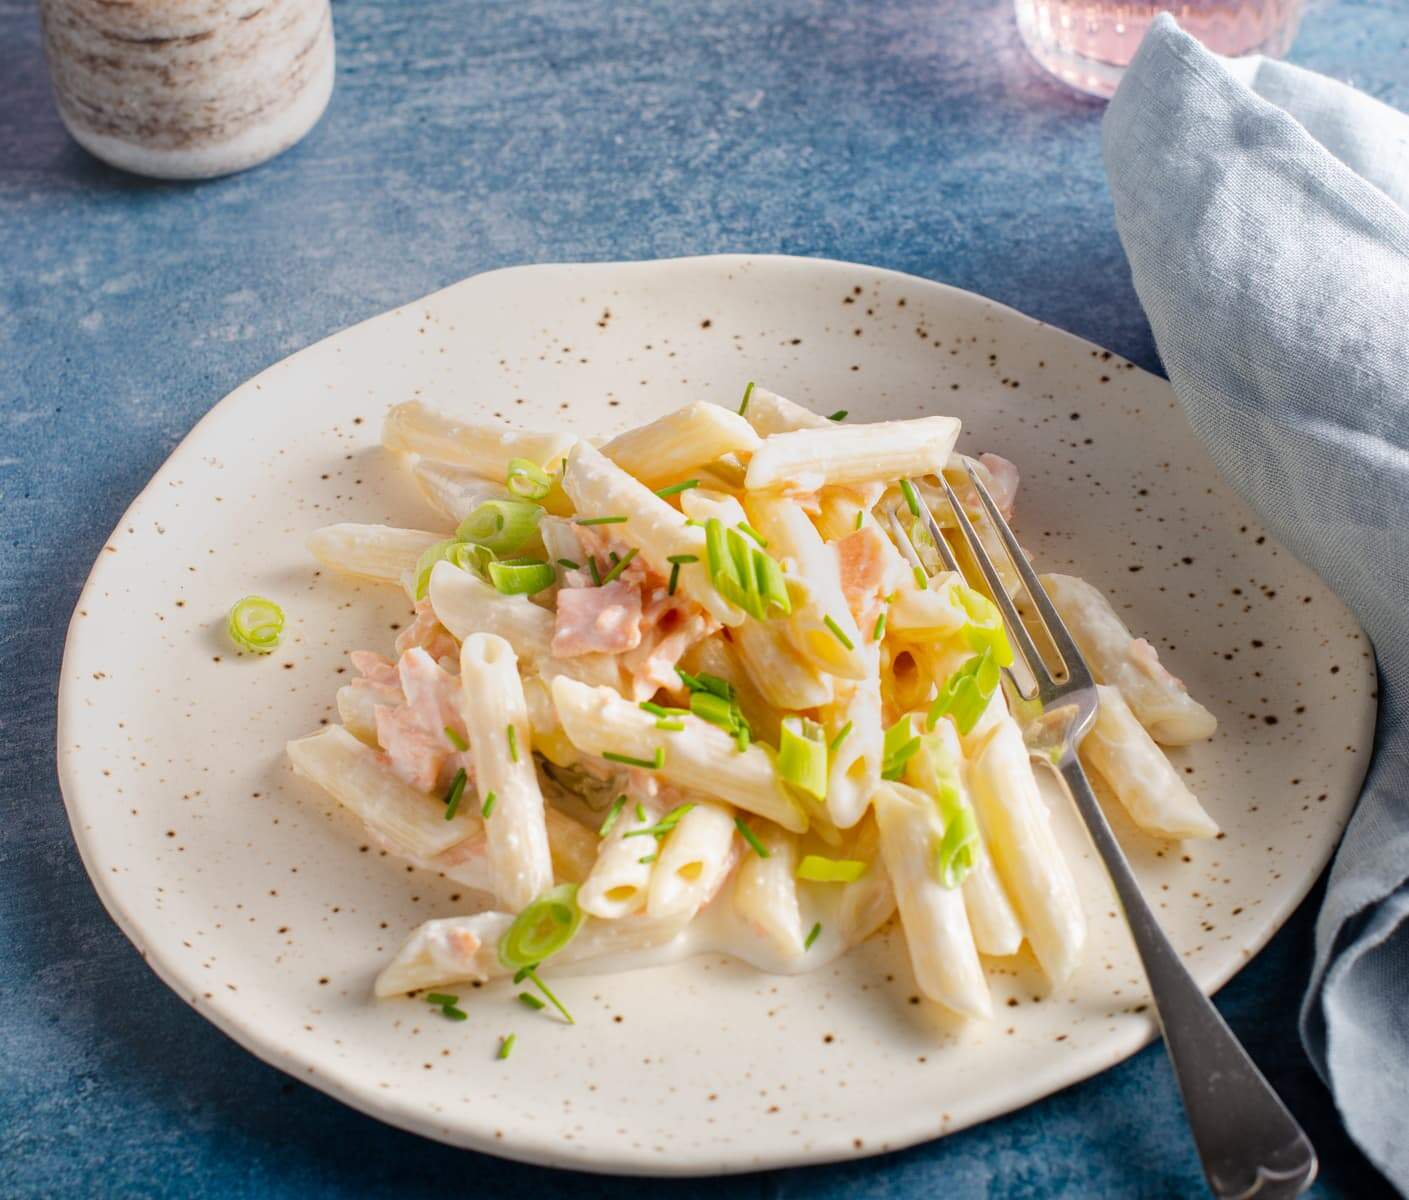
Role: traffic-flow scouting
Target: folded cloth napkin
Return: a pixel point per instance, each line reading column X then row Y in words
column 1265, row 213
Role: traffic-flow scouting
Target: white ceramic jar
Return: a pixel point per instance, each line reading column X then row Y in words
column 189, row 89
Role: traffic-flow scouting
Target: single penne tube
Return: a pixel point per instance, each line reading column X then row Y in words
column 867, row 903
column 466, row 604
column 617, row 885
column 807, row 459
column 1143, row 779
column 667, row 449
column 1160, row 702
column 856, row 738
column 377, row 552
column 573, row 847
column 939, row 763
column 600, row 489
column 700, row 757
column 466, row 949
column 765, row 891
column 453, row 490
column 770, row 413
column 360, row 779
column 694, row 858
column 416, row 428
column 496, row 719
column 782, row 675
column 937, row 935
column 1017, row 829
column 821, row 625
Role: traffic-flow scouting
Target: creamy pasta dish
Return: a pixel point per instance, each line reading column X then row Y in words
column 707, row 686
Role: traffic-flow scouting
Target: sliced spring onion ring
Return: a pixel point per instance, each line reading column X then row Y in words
column 528, row 480
column 817, row 869
column 802, row 756
column 966, row 693
column 521, row 576
column 255, row 624
column 983, row 627
column 502, row 526
column 954, row 852
column 542, row 929
column 743, row 574
column 901, row 743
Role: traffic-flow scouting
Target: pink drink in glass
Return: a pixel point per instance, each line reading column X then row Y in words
column 1088, row 45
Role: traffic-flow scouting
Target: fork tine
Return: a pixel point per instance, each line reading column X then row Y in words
column 902, row 539
column 1062, row 641
column 1017, row 631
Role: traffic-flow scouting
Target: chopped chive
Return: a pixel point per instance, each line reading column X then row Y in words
column 812, row 936
column 912, row 501
column 742, row 737
column 513, row 735
column 524, row 972
column 880, row 629
column 456, row 740
column 506, row 1045
column 600, row 521
column 751, row 838
column 860, row 517
column 674, row 580
column 648, row 858
column 455, row 1014
column 921, row 579
column 682, row 558
column 839, row 739
column 660, row 710
column 627, row 760
column 665, row 824
column 612, row 813
column 838, row 633
column 452, row 797
column 529, row 1000
column 744, row 405
column 670, row 725
column 745, row 527
column 676, row 488
column 619, row 566
column 839, row 415
column 592, row 567
column 568, row 565
column 552, row 999
column 440, row 998
column 640, row 811
column 488, row 805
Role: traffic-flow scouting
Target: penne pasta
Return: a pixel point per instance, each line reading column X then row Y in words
column 765, row 892
column 416, row 428
column 1160, row 701
column 807, row 459
column 668, row 449
column 694, row 858
column 857, row 745
column 496, row 719
column 821, row 625
column 1144, row 781
column 452, row 490
column 617, row 885
column 782, row 676
column 377, row 552
column 1018, row 832
column 700, row 756
column 360, row 779
column 942, row 952
column 770, row 413
column 601, row 489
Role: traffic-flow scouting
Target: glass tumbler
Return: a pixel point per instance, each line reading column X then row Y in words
column 1088, row 43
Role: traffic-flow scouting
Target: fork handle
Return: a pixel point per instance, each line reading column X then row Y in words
column 1248, row 1143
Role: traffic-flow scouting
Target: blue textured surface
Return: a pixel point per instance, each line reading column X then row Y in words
column 464, row 136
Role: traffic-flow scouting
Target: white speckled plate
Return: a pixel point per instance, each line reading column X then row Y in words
column 262, row 905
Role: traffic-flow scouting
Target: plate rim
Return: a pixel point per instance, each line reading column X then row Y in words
column 543, row 1150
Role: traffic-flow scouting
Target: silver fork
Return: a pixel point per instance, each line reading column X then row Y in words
column 1248, row 1143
